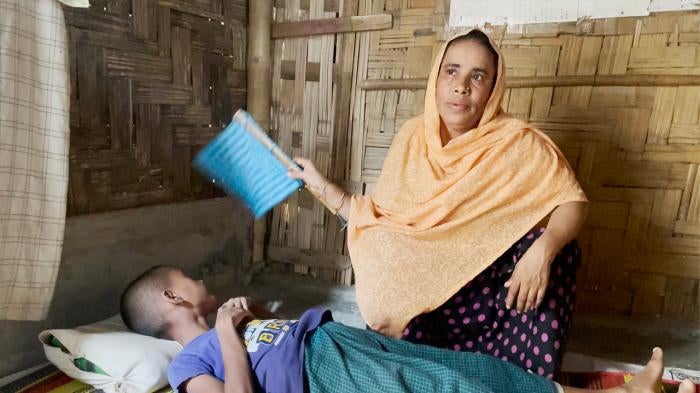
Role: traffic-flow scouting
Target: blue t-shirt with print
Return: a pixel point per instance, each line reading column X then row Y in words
column 275, row 349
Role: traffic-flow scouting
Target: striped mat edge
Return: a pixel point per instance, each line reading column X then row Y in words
column 50, row 379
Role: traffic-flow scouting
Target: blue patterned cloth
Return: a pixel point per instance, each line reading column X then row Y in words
column 343, row 359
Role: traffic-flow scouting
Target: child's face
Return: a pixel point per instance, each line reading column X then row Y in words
column 193, row 292
column 464, row 83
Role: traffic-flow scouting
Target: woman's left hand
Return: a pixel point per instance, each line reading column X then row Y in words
column 528, row 282
column 308, row 174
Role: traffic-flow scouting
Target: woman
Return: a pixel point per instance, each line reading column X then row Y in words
column 447, row 250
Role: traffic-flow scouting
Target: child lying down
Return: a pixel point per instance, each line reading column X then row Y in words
column 250, row 350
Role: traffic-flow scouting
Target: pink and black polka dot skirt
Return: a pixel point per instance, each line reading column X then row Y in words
column 475, row 319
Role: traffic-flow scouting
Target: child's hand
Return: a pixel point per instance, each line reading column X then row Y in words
column 230, row 316
column 243, row 302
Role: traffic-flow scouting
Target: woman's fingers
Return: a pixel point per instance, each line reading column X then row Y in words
column 531, row 298
column 540, row 295
column 522, row 297
column 304, row 163
column 296, row 174
column 513, row 287
column 307, row 173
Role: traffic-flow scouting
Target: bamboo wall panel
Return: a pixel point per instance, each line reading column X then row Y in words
column 152, row 82
column 635, row 148
column 308, row 83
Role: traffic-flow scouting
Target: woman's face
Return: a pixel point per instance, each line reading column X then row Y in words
column 463, row 87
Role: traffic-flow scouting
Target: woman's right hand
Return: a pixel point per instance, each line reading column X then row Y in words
column 230, row 316
column 308, row 174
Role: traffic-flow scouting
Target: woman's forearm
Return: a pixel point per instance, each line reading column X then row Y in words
column 338, row 199
column 334, row 197
column 565, row 223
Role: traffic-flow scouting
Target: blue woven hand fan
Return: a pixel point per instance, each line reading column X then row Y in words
column 245, row 162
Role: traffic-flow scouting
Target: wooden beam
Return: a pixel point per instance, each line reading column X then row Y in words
column 311, row 258
column 259, row 98
column 331, row 26
column 551, row 81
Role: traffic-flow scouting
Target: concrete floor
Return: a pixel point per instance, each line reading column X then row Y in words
column 631, row 340
column 613, row 338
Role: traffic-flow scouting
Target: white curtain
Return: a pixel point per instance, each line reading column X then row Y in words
column 34, row 130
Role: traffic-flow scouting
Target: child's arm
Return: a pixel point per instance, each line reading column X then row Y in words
column 237, row 376
column 202, row 384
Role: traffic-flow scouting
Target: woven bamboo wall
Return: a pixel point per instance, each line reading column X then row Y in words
column 636, row 149
column 305, row 93
column 152, row 81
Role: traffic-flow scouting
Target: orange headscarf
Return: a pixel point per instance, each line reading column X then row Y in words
column 439, row 215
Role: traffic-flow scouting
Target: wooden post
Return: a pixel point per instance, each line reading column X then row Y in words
column 259, row 88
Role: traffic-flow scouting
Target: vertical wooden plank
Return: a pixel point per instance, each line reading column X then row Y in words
column 182, row 170
column 120, row 113
column 664, row 212
column 216, row 7
column 648, row 294
column 615, row 54
column 164, row 31
column 145, row 18
column 88, row 86
column 200, row 89
column 342, row 120
column 586, row 162
column 687, row 110
column 238, row 38
column 542, row 96
column 568, row 63
column 147, row 122
column 693, row 213
column 220, row 96
column 606, row 251
column 662, row 114
column 165, row 156
column 587, row 65
column 200, row 186
column 73, row 61
column 119, row 7
column 681, row 298
column 181, row 55
column 632, row 129
column 520, row 99
column 78, row 201
column 637, row 225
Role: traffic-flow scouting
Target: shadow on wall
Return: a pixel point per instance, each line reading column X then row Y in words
column 103, row 252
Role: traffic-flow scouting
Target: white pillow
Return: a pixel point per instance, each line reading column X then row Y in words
column 133, row 362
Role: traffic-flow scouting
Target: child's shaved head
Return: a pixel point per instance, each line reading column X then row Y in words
column 140, row 308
